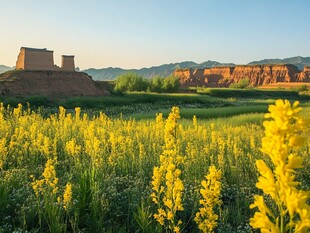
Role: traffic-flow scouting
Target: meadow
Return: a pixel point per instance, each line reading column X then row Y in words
column 84, row 170
column 132, row 103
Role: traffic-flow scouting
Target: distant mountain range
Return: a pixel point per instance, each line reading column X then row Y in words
column 300, row 62
column 4, row 68
column 165, row 70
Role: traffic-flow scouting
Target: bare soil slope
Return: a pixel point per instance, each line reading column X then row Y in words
column 49, row 83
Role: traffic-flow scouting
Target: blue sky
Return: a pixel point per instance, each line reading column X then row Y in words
column 144, row 33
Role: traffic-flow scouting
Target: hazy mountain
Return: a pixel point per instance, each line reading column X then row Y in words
column 300, row 62
column 163, row 70
column 4, row 68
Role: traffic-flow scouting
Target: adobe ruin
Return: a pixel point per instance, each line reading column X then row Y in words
column 42, row 59
column 67, row 62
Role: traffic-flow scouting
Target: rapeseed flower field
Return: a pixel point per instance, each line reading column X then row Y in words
column 73, row 172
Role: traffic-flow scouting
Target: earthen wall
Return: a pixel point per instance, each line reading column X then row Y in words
column 20, row 64
column 67, row 63
column 37, row 60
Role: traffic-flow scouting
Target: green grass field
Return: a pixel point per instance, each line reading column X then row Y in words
column 143, row 104
column 206, row 104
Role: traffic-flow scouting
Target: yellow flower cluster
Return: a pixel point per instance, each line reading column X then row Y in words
column 49, row 181
column 67, row 197
column 167, row 185
column 171, row 128
column 282, row 133
column 3, row 151
column 206, row 219
column 48, row 186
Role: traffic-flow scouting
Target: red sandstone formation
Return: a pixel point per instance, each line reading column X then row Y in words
column 217, row 76
column 190, row 77
column 49, row 83
column 257, row 75
column 304, row 76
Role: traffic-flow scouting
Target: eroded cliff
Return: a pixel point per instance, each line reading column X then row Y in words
column 257, row 75
column 304, row 76
column 49, row 83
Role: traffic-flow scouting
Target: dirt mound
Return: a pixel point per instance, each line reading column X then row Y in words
column 49, row 83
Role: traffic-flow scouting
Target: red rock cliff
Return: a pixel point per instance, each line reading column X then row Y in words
column 304, row 76
column 190, row 77
column 257, row 74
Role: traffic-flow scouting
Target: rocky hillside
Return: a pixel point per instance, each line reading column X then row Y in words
column 257, row 75
column 49, row 83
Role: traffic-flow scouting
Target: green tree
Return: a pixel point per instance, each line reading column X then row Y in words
column 171, row 84
column 130, row 82
column 157, row 83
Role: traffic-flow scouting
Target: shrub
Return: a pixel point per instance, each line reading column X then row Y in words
column 302, row 88
column 243, row 83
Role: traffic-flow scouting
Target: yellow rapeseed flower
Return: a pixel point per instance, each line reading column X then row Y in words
column 49, row 175
column 49, row 181
column 166, row 183
column 3, row 151
column 206, row 219
column 67, row 196
column 282, row 133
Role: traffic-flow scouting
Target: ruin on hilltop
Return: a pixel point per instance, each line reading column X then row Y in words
column 42, row 59
column 36, row 74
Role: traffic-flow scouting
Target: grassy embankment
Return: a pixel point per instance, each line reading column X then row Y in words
column 223, row 102
column 145, row 106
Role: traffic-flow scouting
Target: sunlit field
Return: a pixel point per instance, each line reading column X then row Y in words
column 70, row 171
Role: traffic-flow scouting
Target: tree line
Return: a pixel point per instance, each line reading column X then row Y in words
column 133, row 82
